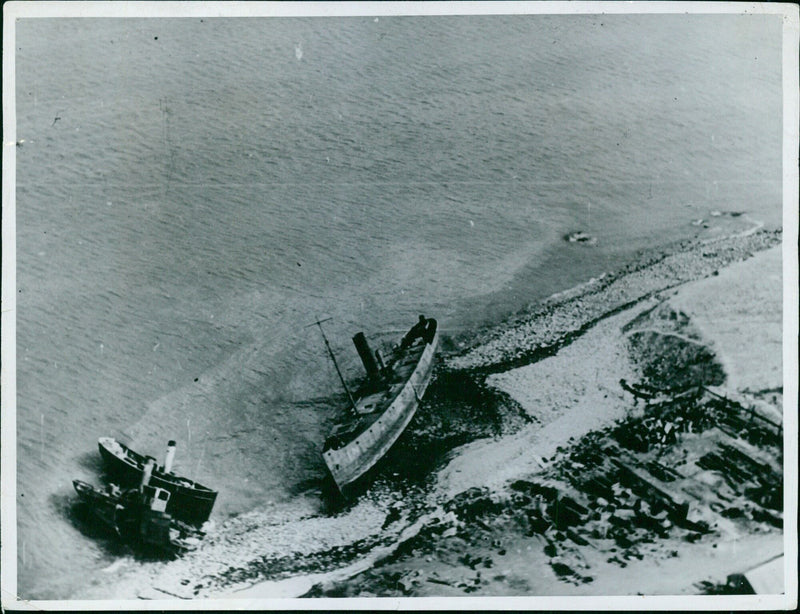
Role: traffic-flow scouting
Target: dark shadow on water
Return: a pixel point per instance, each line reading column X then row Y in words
column 457, row 409
column 306, row 486
column 91, row 461
column 79, row 515
column 333, row 502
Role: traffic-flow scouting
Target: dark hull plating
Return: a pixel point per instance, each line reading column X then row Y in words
column 189, row 501
column 354, row 454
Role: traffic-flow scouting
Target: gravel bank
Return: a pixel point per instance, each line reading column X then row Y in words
column 560, row 365
column 557, row 321
column 615, row 487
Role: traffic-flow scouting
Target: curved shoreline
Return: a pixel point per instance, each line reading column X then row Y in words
column 554, row 329
column 556, row 321
column 578, row 391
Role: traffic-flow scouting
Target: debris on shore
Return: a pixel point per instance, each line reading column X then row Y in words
column 691, row 469
column 658, row 461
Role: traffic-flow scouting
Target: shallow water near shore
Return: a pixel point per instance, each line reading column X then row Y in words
column 212, row 186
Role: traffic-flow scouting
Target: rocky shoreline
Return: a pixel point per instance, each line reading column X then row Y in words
column 541, row 331
column 616, row 498
column 674, row 473
column 577, row 483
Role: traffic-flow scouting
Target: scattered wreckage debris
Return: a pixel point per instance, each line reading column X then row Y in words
column 687, row 466
column 668, row 473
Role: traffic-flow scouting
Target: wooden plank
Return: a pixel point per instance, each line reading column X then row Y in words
column 677, row 507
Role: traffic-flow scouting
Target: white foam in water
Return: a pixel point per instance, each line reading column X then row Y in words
column 116, row 566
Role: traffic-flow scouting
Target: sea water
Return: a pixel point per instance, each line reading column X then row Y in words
column 192, row 193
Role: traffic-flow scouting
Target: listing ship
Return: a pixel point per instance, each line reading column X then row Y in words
column 380, row 410
column 188, row 501
column 139, row 515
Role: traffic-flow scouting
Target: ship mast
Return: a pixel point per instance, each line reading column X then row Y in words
column 335, row 364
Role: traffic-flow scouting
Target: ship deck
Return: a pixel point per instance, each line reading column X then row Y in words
column 372, row 402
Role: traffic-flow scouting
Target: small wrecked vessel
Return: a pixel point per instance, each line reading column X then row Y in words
column 138, row 515
column 381, row 408
column 581, row 237
column 188, row 500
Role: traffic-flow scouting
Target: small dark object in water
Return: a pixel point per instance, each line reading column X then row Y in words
column 580, row 237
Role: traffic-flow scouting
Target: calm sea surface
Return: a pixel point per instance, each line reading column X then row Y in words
column 192, row 192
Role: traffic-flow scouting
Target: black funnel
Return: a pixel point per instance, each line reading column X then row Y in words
column 367, row 358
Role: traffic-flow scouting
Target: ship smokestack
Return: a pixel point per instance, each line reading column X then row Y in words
column 170, row 456
column 148, row 471
column 365, row 353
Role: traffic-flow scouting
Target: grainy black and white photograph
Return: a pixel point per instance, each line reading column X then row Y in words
column 339, row 301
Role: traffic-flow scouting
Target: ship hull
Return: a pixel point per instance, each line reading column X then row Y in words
column 350, row 462
column 125, row 515
column 189, row 501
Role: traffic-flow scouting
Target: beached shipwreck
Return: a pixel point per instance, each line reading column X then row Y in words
column 189, row 500
column 380, row 409
column 138, row 515
column 147, row 505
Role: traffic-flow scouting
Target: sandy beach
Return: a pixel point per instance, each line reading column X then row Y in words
column 732, row 316
column 601, row 375
column 737, row 312
column 590, row 203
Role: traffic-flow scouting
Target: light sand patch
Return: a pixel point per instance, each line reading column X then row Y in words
column 740, row 312
column 570, row 394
